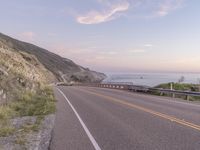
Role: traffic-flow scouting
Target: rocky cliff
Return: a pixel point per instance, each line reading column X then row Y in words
column 62, row 68
column 24, row 66
column 27, row 103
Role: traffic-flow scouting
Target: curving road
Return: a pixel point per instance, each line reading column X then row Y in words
column 105, row 119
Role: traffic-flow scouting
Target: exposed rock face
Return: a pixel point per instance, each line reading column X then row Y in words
column 31, row 141
column 59, row 66
column 22, row 63
column 24, row 66
column 20, row 71
column 84, row 76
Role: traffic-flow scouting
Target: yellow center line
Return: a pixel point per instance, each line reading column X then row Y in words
column 168, row 117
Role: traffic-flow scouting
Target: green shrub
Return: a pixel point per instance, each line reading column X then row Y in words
column 183, row 87
column 5, row 112
column 39, row 103
column 179, row 86
column 6, row 131
column 35, row 104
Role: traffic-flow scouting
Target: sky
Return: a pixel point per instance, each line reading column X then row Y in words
column 111, row 35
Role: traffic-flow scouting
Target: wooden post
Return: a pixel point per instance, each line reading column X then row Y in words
column 187, row 97
column 173, row 95
column 171, row 86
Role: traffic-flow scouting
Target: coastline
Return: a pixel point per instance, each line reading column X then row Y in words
column 153, row 79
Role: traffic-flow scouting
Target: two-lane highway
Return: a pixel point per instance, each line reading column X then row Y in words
column 96, row 118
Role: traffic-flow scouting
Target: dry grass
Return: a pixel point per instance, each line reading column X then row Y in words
column 37, row 104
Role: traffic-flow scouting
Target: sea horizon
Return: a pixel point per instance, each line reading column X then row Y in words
column 154, row 78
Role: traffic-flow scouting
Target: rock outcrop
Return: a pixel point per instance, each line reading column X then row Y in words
column 59, row 66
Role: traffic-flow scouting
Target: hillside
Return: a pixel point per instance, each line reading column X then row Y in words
column 20, row 71
column 27, row 103
column 59, row 66
column 25, row 97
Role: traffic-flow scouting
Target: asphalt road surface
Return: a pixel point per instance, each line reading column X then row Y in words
column 105, row 119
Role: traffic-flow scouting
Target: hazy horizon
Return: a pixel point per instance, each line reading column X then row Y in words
column 111, row 36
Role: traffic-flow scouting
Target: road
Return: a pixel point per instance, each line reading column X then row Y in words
column 105, row 119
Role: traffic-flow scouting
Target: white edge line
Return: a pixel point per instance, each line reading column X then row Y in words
column 93, row 141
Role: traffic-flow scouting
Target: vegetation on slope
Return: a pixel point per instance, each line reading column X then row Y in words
column 26, row 71
column 37, row 104
column 182, row 87
column 24, row 91
column 59, row 66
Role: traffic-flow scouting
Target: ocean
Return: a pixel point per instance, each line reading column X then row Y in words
column 153, row 79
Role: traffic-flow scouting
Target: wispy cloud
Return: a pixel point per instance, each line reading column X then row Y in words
column 167, row 6
column 148, row 45
column 27, row 36
column 113, row 9
column 95, row 17
column 109, row 53
column 137, row 51
column 51, row 34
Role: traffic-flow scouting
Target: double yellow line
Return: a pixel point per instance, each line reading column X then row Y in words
column 167, row 117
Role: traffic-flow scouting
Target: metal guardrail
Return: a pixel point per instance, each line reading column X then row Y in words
column 176, row 92
column 108, row 85
column 144, row 89
column 121, row 83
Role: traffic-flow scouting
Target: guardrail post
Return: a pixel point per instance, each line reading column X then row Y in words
column 187, row 97
column 171, row 86
column 173, row 95
column 158, row 91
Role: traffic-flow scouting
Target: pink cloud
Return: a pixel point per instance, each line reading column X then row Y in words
column 27, row 36
column 95, row 17
column 167, row 6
